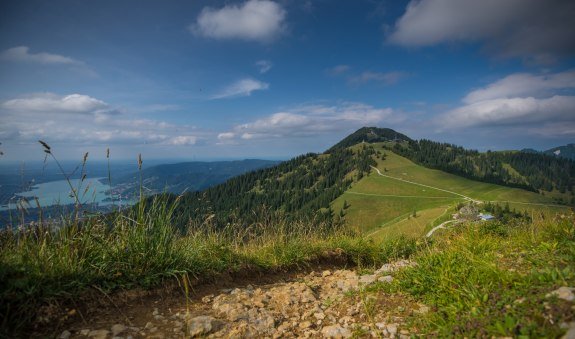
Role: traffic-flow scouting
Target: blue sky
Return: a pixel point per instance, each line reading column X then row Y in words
column 274, row 79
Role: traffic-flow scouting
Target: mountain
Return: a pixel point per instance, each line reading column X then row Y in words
column 301, row 188
column 567, row 151
column 369, row 135
column 306, row 186
column 188, row 176
column 529, row 150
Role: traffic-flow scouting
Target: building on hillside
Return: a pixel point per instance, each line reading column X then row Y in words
column 486, row 216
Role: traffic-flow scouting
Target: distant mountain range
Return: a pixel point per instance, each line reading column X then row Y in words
column 187, row 176
column 567, row 151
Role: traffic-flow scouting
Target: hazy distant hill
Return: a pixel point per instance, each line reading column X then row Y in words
column 190, row 176
column 567, row 151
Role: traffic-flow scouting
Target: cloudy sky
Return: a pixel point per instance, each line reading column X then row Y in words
column 274, row 79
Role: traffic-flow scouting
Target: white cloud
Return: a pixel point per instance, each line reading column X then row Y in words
column 182, row 140
column 240, row 88
column 53, row 104
column 226, row 135
column 539, row 104
column 264, row 65
column 337, row 70
column 389, row 78
column 22, row 54
column 306, row 121
column 540, row 30
column 257, row 20
column 512, row 111
column 523, row 84
column 83, row 120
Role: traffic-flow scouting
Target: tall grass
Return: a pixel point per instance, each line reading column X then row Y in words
column 491, row 279
column 142, row 247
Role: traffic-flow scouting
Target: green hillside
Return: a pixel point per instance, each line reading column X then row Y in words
column 302, row 187
column 531, row 171
column 379, row 204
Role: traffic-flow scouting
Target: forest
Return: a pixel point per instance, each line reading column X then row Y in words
column 301, row 188
column 532, row 171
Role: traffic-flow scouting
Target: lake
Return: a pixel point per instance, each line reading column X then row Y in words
column 59, row 193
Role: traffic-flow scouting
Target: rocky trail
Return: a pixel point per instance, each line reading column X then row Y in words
column 323, row 303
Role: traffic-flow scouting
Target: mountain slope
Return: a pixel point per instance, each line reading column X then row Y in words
column 532, row 171
column 302, row 187
column 306, row 186
column 383, row 206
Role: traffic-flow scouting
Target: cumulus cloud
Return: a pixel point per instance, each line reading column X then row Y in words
column 389, row 78
column 541, row 104
column 511, row 111
column 523, row 84
column 538, row 30
column 241, row 88
column 264, row 65
column 22, row 54
column 256, row 20
column 226, row 135
column 84, row 120
column 311, row 120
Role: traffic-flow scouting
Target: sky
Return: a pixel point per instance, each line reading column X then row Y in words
column 208, row 80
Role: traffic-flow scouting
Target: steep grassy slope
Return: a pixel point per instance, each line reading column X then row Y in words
column 377, row 202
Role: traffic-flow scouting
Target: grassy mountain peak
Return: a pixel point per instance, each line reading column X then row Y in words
column 369, row 135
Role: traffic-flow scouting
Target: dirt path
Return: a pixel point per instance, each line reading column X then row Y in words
column 442, row 225
column 464, row 196
column 396, row 196
column 423, row 185
column 326, row 303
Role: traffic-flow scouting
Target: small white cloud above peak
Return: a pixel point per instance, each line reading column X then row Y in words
column 242, row 88
column 255, row 20
column 264, row 65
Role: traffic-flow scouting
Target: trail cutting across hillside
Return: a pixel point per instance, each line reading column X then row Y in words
column 396, row 196
column 428, row 186
column 442, row 225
